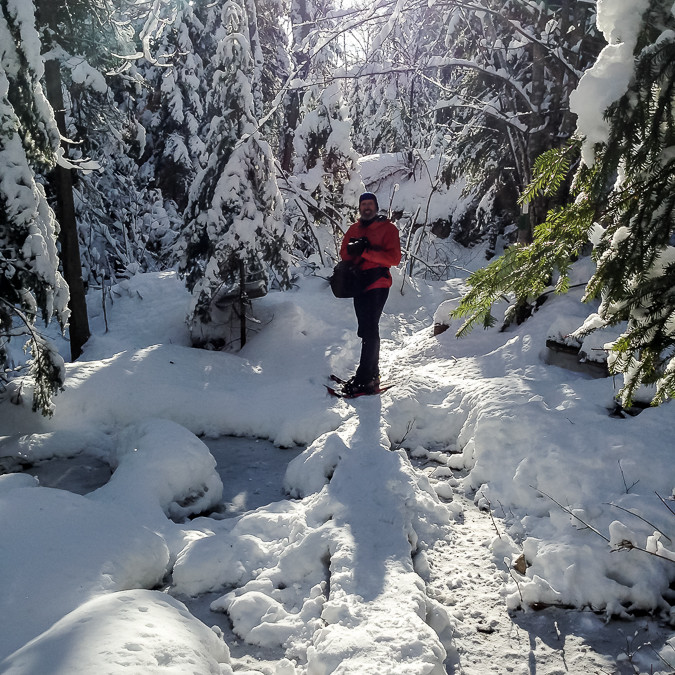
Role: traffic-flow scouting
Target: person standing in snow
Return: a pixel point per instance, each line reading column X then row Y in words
column 371, row 245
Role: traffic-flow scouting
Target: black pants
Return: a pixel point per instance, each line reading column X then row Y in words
column 368, row 307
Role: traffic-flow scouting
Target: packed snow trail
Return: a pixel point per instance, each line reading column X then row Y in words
column 464, row 577
column 340, row 593
column 376, row 607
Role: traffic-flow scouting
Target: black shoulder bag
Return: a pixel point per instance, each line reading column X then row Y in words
column 348, row 281
column 345, row 280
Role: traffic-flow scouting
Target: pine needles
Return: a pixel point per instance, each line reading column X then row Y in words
column 629, row 193
column 524, row 272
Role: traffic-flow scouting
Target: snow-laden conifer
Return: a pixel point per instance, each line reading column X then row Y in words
column 274, row 46
column 180, row 84
column 623, row 203
column 632, row 186
column 326, row 181
column 234, row 212
column 317, row 154
column 31, row 284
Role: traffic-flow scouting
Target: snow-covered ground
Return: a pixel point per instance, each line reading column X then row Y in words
column 407, row 534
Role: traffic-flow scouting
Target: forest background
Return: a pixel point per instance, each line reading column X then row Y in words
column 223, row 139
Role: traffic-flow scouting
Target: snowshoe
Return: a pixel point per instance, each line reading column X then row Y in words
column 351, row 389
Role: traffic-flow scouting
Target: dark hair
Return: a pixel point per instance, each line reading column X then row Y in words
column 369, row 195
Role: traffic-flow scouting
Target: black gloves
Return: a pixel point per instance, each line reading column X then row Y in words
column 356, row 247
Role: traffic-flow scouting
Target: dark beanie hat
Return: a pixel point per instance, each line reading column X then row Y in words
column 369, row 195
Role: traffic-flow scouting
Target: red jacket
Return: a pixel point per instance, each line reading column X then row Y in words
column 384, row 248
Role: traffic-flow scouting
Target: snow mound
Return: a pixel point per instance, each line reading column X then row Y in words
column 135, row 631
column 64, row 534
column 160, row 465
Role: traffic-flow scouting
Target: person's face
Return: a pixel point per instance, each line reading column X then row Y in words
column 367, row 209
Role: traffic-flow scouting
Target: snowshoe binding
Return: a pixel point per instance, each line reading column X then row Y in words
column 352, row 388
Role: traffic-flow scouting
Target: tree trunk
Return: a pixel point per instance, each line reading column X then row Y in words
column 292, row 99
column 291, row 116
column 61, row 180
column 242, row 304
column 537, row 143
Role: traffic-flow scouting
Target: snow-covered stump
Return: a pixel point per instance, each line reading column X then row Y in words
column 333, row 577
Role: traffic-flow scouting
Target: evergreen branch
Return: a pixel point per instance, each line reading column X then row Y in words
column 46, row 369
column 526, row 271
column 550, row 169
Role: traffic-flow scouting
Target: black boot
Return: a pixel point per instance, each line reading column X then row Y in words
column 355, row 387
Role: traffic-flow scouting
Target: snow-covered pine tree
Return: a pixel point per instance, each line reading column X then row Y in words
column 372, row 131
column 326, row 181
column 322, row 179
column 623, row 201
column 632, row 187
column 176, row 115
column 180, row 85
column 234, row 212
column 30, row 283
column 303, row 14
column 274, row 45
